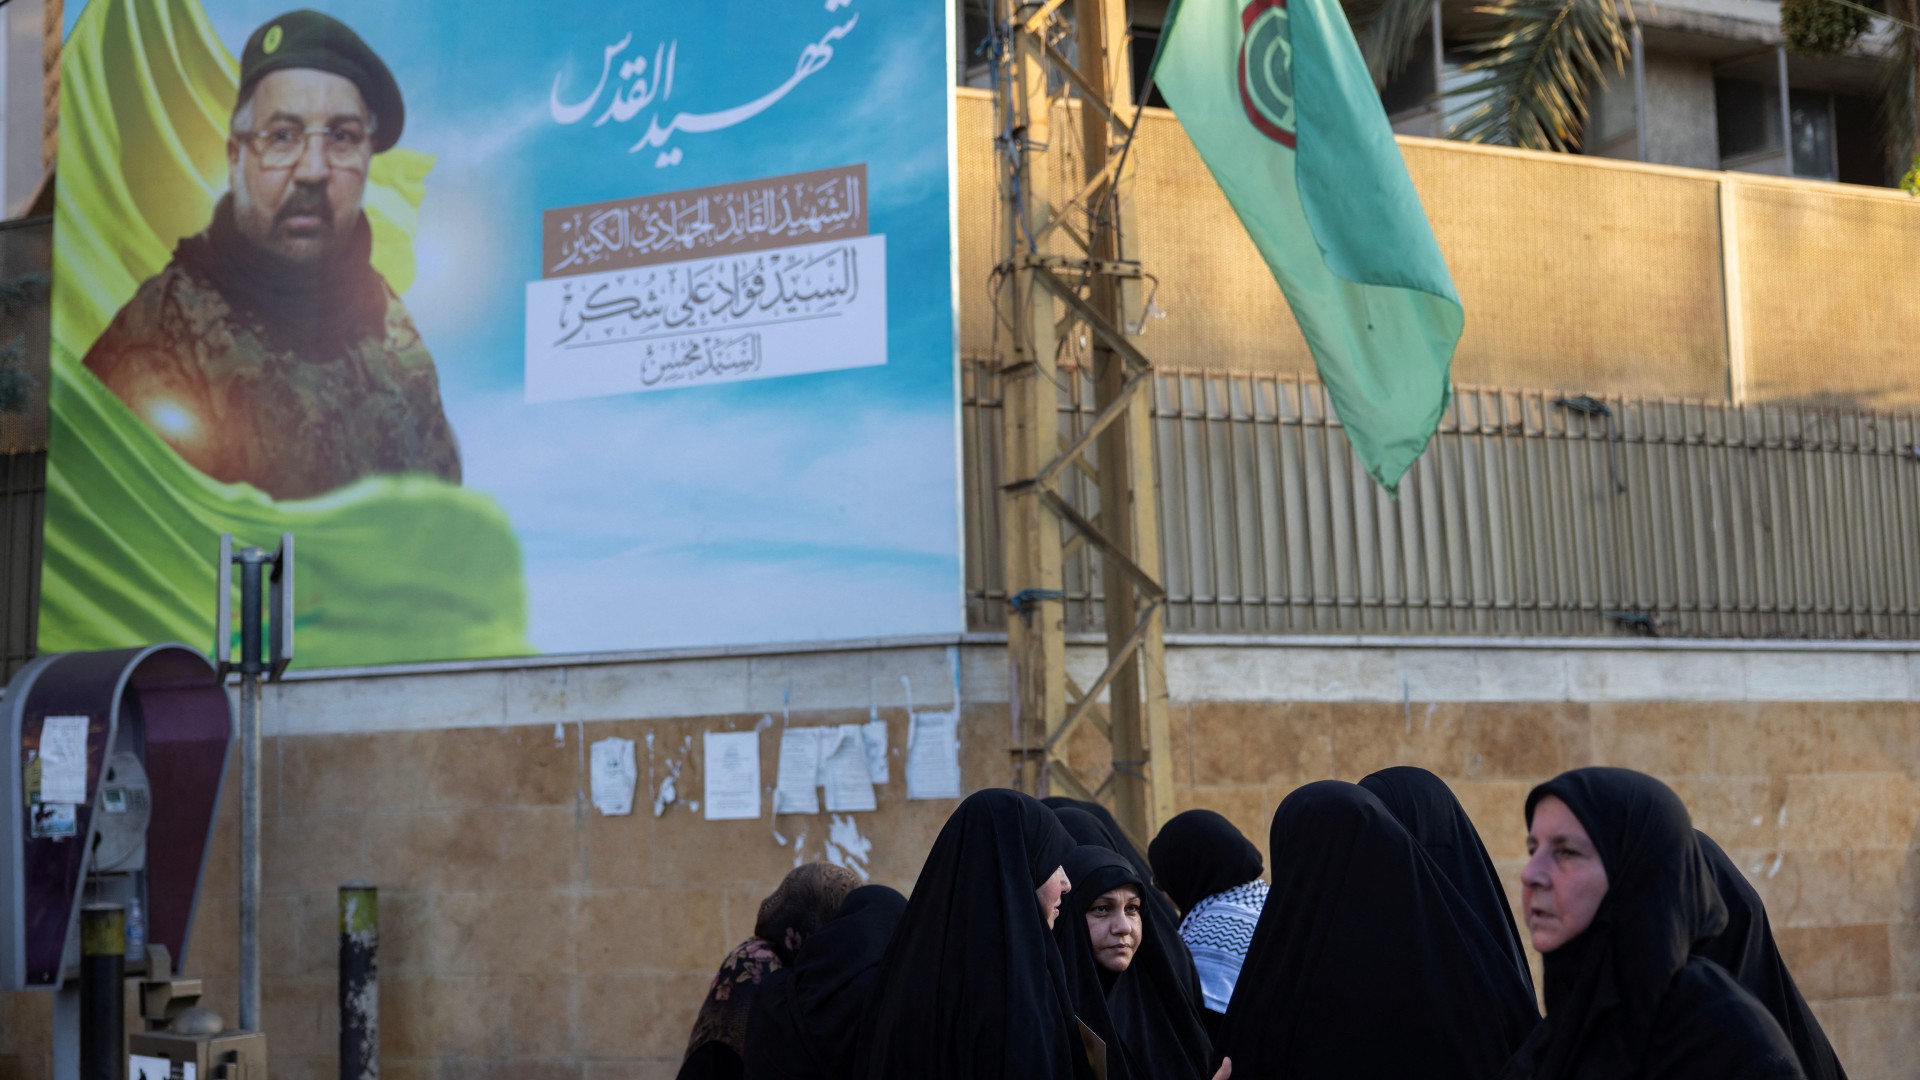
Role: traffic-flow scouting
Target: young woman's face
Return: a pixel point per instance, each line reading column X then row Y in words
column 1564, row 880
column 1050, row 892
column 1113, row 920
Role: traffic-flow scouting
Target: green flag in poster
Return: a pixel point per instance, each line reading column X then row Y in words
column 1277, row 100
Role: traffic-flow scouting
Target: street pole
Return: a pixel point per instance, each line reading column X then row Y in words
column 252, row 665
column 266, row 648
column 359, row 981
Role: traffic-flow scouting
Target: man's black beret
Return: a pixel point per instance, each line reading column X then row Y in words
column 308, row 39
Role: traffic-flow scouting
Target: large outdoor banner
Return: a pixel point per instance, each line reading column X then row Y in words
column 544, row 328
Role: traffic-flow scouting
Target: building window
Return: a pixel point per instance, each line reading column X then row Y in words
column 1749, row 120
column 1810, row 119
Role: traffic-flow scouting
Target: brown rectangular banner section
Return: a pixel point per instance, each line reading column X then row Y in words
column 799, row 208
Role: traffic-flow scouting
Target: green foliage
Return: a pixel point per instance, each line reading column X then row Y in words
column 1821, row 27
column 1910, row 183
column 1535, row 66
column 1897, row 118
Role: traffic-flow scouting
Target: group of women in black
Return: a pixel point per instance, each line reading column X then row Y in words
column 1039, row 945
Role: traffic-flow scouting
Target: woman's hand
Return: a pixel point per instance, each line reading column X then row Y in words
column 1226, row 1069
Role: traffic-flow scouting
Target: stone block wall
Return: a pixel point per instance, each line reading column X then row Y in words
column 525, row 934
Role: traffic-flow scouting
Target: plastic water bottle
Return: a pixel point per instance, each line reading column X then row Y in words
column 136, row 933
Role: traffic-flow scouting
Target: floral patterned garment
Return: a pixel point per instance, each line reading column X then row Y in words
column 804, row 902
column 723, row 1015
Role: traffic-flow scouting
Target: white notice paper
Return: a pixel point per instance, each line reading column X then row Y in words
column 933, row 756
column 794, row 791
column 844, row 769
column 876, row 741
column 614, row 775
column 63, row 760
column 733, row 775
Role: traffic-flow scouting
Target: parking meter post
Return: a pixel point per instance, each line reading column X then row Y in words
column 103, row 947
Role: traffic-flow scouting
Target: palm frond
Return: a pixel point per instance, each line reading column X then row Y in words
column 1535, row 67
column 1897, row 116
column 1388, row 31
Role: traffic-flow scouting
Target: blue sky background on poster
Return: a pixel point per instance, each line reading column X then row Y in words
column 812, row 506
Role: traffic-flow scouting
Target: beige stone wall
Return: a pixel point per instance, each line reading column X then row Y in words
column 1577, row 273
column 524, row 934
column 1819, row 803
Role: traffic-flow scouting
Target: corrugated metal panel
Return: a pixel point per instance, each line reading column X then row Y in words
column 1525, row 516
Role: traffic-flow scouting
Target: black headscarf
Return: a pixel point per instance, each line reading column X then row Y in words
column 805, row 1021
column 1746, row 949
column 1112, row 837
column 1199, row 853
column 1428, row 809
column 1366, row 963
column 1149, row 1006
column 1623, row 1000
column 972, row 985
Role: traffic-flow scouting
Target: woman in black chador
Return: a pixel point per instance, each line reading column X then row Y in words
column 1212, row 873
column 1616, row 893
column 1746, row 949
column 1101, row 830
column 804, row 902
column 1117, row 956
column 805, row 1021
column 1367, row 964
column 972, row 987
column 1105, row 831
column 1424, row 804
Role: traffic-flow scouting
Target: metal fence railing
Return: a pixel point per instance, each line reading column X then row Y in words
column 1530, row 514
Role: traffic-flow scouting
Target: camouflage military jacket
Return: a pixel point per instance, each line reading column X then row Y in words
column 295, row 415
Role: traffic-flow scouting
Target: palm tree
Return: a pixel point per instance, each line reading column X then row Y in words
column 1538, row 60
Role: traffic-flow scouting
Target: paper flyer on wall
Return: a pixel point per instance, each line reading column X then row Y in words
column 732, row 766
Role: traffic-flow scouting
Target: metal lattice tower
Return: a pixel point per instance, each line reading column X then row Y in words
column 1066, row 283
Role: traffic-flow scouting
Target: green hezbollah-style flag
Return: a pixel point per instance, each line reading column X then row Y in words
column 1275, row 97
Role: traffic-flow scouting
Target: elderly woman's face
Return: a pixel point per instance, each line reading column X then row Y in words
column 1113, row 921
column 1050, row 892
column 1564, row 880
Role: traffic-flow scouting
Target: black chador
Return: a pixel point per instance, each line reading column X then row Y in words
column 972, row 986
column 1625, row 999
column 1746, row 949
column 1150, row 1004
column 1427, row 807
column 1367, row 964
column 805, row 1021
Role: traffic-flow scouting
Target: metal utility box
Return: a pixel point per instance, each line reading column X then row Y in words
column 229, row 1055
column 112, row 775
